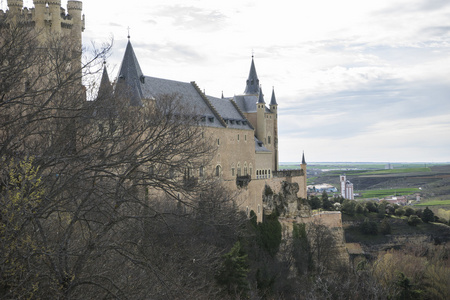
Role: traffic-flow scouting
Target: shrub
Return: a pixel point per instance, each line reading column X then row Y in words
column 369, row 227
column 371, row 206
column 409, row 211
column 414, row 220
column 399, row 212
column 385, row 227
column 359, row 208
column 349, row 207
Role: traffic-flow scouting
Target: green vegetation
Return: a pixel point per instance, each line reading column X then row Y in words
column 395, row 171
column 434, row 203
column 388, row 192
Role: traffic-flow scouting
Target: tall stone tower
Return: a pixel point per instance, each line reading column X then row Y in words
column 48, row 18
column 274, row 110
column 261, row 118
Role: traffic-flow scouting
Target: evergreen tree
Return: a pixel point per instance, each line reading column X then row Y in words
column 326, row 203
column 270, row 233
column 427, row 215
column 314, row 202
column 233, row 271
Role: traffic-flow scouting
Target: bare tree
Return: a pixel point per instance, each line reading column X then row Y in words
column 99, row 227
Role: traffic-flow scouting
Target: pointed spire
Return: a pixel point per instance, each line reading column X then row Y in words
column 273, row 100
column 303, row 159
column 130, row 76
column 252, row 81
column 222, row 95
column 105, row 88
column 261, row 96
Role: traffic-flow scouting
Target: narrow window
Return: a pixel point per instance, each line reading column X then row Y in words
column 217, row 171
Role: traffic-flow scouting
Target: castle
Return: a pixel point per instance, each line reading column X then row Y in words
column 244, row 127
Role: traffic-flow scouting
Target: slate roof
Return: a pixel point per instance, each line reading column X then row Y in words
column 214, row 112
column 252, row 86
column 130, row 75
column 273, row 100
column 229, row 113
column 261, row 97
column 259, row 146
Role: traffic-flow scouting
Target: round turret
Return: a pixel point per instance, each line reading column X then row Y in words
column 74, row 5
column 15, row 6
column 55, row 12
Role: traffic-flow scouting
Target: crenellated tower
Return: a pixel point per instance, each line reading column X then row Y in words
column 49, row 18
column 261, row 117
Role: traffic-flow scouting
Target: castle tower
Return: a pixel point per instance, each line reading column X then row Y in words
column 303, row 167
column 55, row 15
column 15, row 6
column 74, row 9
column 15, row 9
column 260, row 117
column 39, row 13
column 252, row 87
column 274, row 110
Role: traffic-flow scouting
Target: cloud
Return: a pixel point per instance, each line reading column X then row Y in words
column 190, row 17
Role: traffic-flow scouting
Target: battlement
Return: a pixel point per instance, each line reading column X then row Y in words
column 76, row 5
column 49, row 15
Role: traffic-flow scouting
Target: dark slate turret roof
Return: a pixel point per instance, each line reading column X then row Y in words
column 213, row 112
column 130, row 76
column 273, row 100
column 252, row 81
column 303, row 159
column 261, row 97
column 105, row 87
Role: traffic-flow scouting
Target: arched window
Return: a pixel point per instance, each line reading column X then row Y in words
column 233, row 170
column 251, row 170
column 217, row 171
column 239, row 169
column 245, row 169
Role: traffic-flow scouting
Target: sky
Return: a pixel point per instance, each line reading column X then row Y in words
column 355, row 80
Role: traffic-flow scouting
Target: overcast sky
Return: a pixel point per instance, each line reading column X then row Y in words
column 355, row 80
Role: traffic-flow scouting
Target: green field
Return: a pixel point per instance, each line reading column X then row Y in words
column 395, row 171
column 434, row 203
column 388, row 192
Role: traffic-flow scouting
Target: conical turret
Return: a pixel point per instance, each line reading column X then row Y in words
column 252, row 86
column 131, row 78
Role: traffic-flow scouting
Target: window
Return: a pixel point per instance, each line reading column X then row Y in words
column 245, row 137
column 259, row 209
column 232, row 171
column 218, row 142
column 268, row 139
column 238, row 137
column 211, row 119
column 239, row 169
column 245, row 169
column 217, row 171
column 251, row 170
